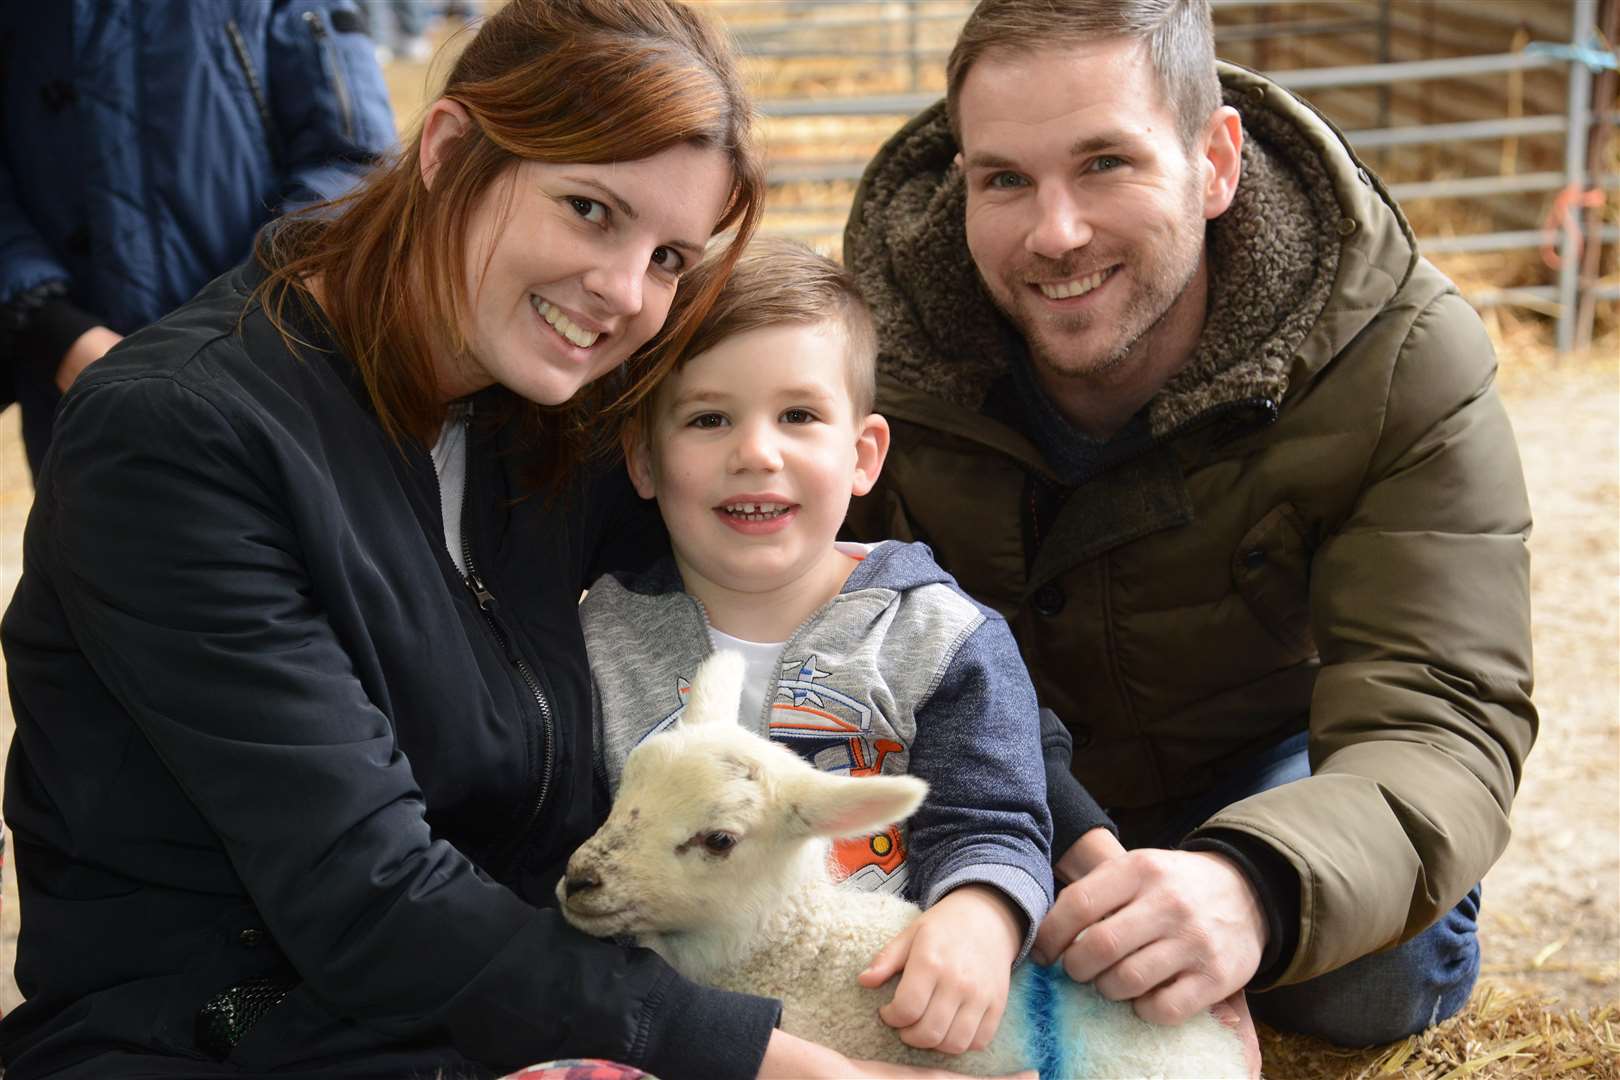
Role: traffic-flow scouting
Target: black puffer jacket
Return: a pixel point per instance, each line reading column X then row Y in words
column 265, row 732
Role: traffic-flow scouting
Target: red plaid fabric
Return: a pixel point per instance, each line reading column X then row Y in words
column 580, row 1069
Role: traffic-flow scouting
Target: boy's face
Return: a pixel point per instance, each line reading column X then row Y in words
column 754, row 451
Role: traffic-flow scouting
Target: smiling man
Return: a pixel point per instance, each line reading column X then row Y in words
column 1172, row 388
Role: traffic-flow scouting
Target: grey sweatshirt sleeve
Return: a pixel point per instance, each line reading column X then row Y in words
column 978, row 745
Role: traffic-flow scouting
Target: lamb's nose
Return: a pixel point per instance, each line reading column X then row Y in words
column 581, row 882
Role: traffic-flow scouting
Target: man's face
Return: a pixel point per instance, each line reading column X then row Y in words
column 1085, row 212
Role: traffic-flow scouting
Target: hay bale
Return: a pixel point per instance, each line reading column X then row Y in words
column 1502, row 1033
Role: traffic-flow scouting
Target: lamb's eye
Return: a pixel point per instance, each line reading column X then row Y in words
column 719, row 843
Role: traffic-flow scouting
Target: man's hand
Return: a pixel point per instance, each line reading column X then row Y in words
column 1172, row 931
column 957, row 958
column 788, row 1057
column 86, row 349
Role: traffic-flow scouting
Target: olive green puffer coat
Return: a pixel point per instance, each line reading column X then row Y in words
column 1327, row 532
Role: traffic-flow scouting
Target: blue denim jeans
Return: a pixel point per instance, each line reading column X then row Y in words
column 1379, row 998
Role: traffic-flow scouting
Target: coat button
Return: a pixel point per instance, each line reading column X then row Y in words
column 1049, row 600
column 250, row 937
column 1347, row 226
column 1254, row 558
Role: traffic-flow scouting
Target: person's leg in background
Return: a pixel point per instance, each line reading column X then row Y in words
column 37, row 397
column 399, row 28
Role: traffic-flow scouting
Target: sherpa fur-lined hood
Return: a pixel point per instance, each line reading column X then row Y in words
column 1310, row 250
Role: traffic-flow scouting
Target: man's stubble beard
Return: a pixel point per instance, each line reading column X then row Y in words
column 1145, row 313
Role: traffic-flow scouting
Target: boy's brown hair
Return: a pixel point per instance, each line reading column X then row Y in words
column 776, row 282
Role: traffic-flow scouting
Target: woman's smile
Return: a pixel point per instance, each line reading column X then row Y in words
column 583, row 260
column 566, row 328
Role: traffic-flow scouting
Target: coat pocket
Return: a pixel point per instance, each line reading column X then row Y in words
column 1271, row 570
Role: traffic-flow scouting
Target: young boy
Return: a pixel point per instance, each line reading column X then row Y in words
column 862, row 658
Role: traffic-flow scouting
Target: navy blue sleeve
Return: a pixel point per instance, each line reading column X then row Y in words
column 328, row 98
column 27, row 264
column 185, row 589
column 978, row 746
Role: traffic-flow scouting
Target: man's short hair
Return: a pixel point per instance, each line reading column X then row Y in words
column 780, row 282
column 1179, row 36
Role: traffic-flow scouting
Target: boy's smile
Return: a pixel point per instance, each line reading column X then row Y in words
column 754, row 451
column 756, row 517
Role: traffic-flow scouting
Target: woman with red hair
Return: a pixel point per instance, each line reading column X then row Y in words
column 303, row 720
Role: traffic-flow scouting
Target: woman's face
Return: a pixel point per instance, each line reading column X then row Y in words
column 571, row 268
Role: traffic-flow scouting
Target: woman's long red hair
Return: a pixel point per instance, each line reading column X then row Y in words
column 590, row 81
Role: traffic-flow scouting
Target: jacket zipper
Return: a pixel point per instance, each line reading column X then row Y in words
column 317, row 26
column 487, row 604
column 1204, row 419
column 255, row 87
column 792, row 639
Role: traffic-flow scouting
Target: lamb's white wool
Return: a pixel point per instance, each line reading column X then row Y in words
column 715, row 856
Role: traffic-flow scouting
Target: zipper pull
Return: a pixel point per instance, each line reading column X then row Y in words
column 481, row 593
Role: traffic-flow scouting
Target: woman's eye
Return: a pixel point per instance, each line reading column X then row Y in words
column 589, row 209
column 707, row 420
column 1004, row 180
column 798, row 416
column 667, row 258
column 719, row 843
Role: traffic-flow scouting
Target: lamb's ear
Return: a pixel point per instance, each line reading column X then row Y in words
column 716, row 690
column 831, row 805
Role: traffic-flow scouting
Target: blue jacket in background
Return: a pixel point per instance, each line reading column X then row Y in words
column 144, row 144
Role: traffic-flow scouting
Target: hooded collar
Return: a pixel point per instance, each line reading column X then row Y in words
column 1309, row 250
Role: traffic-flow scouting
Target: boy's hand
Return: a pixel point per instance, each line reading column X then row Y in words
column 957, row 958
column 1086, row 854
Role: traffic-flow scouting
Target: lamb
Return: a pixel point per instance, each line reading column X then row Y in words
column 715, row 856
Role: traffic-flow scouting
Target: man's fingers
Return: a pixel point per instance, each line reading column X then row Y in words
column 1181, row 997
column 1095, row 896
column 1148, row 967
column 1119, row 936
